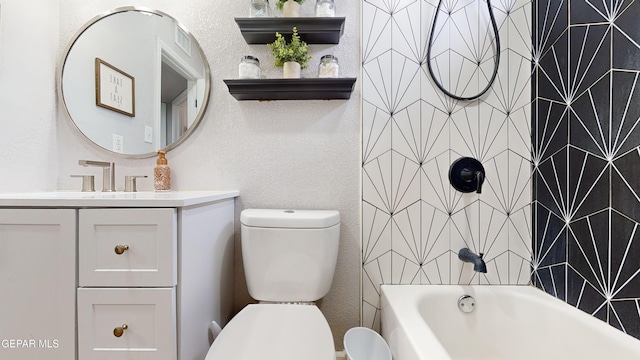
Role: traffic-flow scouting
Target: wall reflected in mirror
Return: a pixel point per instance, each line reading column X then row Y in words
column 171, row 81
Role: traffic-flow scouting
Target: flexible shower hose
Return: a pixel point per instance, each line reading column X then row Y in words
column 496, row 63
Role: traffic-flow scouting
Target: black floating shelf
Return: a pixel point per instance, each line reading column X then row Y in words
column 312, row 30
column 291, row 89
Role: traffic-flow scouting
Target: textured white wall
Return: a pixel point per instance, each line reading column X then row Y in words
column 282, row 154
column 28, row 152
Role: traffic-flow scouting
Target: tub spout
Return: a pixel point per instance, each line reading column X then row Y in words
column 467, row 255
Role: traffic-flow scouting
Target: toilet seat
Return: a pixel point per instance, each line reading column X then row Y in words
column 275, row 331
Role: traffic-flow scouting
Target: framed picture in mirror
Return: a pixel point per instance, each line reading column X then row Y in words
column 115, row 89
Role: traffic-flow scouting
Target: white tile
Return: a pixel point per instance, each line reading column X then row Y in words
column 412, row 133
column 404, row 83
column 370, row 316
column 407, row 126
column 495, row 191
column 494, row 231
column 408, row 31
column 497, row 270
column 519, row 132
column 434, row 237
column 406, row 229
column 465, row 131
column 519, row 182
column 519, row 270
column 376, row 233
column 376, row 79
column 376, row 30
column 492, row 132
column 435, row 188
column 376, row 182
column 431, row 95
column 520, row 233
column 376, row 273
column 434, row 132
column 404, row 270
column 437, row 271
column 376, row 132
column 519, row 81
column 405, row 182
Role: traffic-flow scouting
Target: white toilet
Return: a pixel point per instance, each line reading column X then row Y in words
column 289, row 259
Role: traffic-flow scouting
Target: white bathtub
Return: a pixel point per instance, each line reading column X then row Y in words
column 421, row 322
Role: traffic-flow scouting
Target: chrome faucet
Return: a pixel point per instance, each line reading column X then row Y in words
column 467, row 255
column 108, row 173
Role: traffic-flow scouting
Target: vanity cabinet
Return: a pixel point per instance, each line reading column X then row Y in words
column 37, row 284
column 130, row 277
column 127, row 264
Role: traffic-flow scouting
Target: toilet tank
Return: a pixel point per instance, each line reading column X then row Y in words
column 289, row 255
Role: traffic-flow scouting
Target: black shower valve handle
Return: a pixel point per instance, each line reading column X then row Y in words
column 479, row 179
column 467, row 175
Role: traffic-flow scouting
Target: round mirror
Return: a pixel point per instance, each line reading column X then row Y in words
column 134, row 81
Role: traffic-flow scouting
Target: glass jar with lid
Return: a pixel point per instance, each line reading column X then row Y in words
column 328, row 67
column 249, row 68
column 259, row 8
column 325, row 8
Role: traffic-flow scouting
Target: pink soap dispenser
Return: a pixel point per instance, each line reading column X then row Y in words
column 162, row 173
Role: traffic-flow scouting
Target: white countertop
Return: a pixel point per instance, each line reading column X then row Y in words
column 114, row 199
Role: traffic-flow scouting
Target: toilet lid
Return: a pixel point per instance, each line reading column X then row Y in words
column 275, row 331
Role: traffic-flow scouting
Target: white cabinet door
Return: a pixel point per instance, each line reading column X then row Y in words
column 37, row 284
column 131, row 324
column 127, row 247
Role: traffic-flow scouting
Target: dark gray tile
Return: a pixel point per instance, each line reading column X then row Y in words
column 626, row 54
column 588, row 247
column 551, row 131
column 589, row 122
column 627, row 312
column 625, row 111
column 550, row 238
column 625, row 185
column 625, row 247
column 601, row 313
column 551, row 18
column 590, row 56
column 552, row 75
column 543, row 280
column 559, row 273
column 583, row 12
column 551, row 182
column 588, row 183
column 581, row 294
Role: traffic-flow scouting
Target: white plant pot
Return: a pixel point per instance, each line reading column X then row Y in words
column 291, row 9
column 291, row 70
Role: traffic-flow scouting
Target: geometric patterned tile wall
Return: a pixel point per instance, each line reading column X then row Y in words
column 413, row 221
column 586, row 156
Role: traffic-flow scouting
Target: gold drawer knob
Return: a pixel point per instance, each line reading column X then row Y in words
column 117, row 332
column 120, row 249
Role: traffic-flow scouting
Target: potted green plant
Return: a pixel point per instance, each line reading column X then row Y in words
column 292, row 56
column 290, row 8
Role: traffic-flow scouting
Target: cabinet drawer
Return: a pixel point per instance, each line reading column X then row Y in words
column 127, row 247
column 144, row 319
